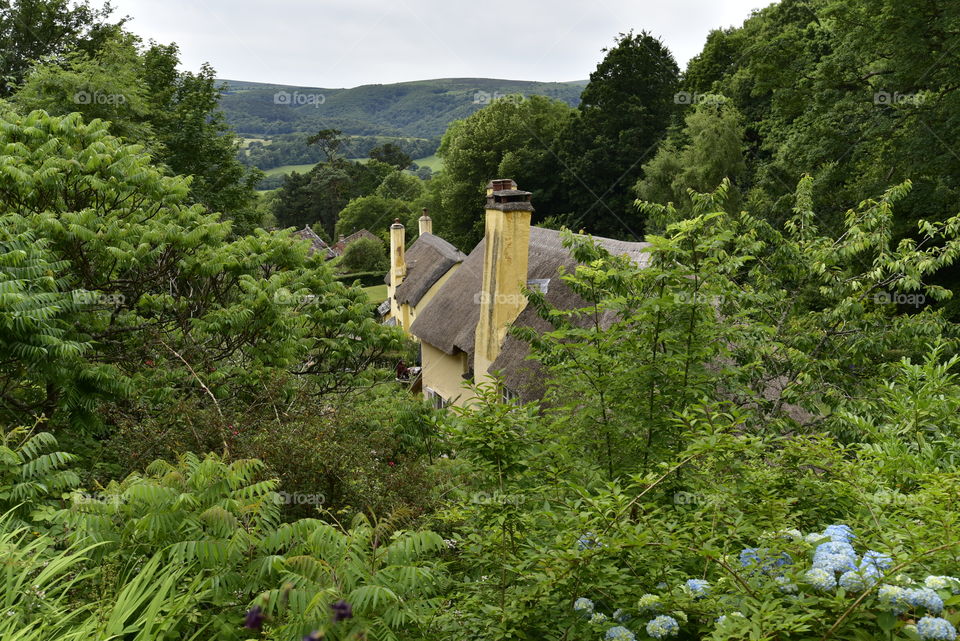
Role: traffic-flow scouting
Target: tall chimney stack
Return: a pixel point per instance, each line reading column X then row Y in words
column 426, row 223
column 398, row 264
column 505, row 262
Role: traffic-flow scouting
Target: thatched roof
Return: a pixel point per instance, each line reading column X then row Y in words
column 317, row 244
column 449, row 322
column 428, row 259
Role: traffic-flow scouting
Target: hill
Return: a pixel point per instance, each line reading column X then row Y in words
column 420, row 109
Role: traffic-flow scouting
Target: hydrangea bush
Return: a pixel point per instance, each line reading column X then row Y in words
column 827, row 567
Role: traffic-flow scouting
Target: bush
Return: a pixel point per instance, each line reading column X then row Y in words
column 365, row 255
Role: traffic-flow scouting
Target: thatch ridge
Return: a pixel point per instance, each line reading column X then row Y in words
column 449, row 321
column 428, row 259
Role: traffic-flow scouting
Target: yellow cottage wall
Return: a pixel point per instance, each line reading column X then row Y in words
column 443, row 374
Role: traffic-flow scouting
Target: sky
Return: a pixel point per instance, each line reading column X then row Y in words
column 347, row 43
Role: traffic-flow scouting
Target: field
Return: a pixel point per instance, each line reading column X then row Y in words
column 376, row 293
column 434, row 162
column 286, row 169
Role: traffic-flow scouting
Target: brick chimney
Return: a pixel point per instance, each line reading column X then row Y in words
column 505, row 259
column 426, row 223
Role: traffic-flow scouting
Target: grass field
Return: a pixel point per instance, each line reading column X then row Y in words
column 434, row 162
column 286, row 169
column 376, row 293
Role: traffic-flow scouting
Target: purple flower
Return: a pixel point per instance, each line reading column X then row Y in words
column 254, row 619
column 341, row 611
column 313, row 636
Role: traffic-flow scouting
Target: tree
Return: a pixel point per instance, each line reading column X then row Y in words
column 146, row 99
column 330, row 142
column 31, row 30
column 707, row 150
column 317, row 197
column 512, row 134
column 401, row 186
column 373, row 213
column 392, row 155
column 364, row 255
column 623, row 116
column 165, row 308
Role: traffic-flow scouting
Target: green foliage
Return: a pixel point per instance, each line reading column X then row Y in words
column 33, row 29
column 147, row 100
column 707, row 150
column 364, row 255
column 374, row 213
column 139, row 260
column 318, row 197
column 511, row 138
column 32, row 471
column 391, row 154
column 623, row 114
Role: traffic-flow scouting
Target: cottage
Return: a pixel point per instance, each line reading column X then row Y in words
column 462, row 327
column 417, row 274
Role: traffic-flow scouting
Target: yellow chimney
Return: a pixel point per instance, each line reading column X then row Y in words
column 398, row 265
column 426, row 223
column 507, row 244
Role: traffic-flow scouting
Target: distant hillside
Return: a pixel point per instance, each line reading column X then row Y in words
column 421, row 109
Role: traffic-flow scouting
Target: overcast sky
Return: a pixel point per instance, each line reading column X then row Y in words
column 345, row 43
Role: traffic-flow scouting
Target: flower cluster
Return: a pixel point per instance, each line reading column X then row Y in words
column 763, row 560
column 936, row 629
column 662, row 627
column 649, row 603
column 619, row 633
column 901, row 599
column 835, row 564
column 583, row 605
column 698, row 587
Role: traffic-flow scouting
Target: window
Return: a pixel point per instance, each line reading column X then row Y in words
column 508, row 396
column 438, row 401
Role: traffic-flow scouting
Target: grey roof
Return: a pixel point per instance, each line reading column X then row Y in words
column 341, row 245
column 449, row 321
column 428, row 259
column 317, row 244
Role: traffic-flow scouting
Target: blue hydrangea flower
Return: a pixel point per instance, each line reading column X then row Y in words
column 698, row 587
column 583, row 605
column 763, row 559
column 875, row 562
column 839, row 533
column 924, row 598
column 588, row 541
column 619, row 633
column 749, row 556
column 649, row 603
column 835, row 556
column 893, row 597
column 821, row 579
column 943, row 583
column 662, row 627
column 936, row 629
column 620, row 616
column 857, row 581
column 599, row 618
